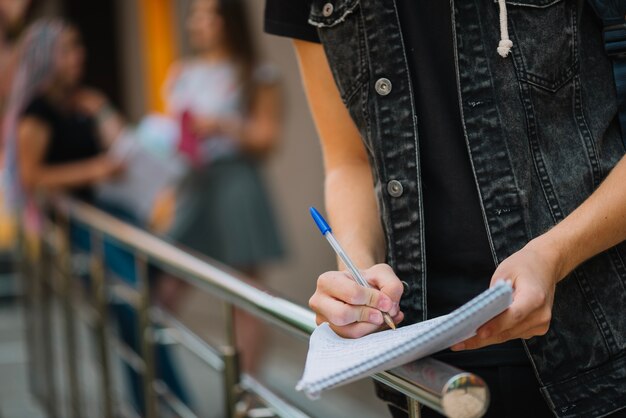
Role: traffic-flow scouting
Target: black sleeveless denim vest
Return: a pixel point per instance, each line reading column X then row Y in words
column 540, row 127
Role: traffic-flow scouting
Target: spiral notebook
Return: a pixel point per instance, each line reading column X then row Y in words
column 334, row 361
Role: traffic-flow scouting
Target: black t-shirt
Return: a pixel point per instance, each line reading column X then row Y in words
column 459, row 262
column 73, row 135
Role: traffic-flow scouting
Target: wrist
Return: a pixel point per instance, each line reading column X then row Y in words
column 362, row 259
column 553, row 253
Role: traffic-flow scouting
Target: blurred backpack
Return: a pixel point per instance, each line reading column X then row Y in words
column 613, row 16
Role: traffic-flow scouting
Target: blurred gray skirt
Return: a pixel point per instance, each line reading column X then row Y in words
column 224, row 211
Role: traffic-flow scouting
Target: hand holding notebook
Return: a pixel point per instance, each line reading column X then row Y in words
column 333, row 361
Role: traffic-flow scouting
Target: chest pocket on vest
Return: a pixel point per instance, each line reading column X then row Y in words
column 340, row 29
column 544, row 41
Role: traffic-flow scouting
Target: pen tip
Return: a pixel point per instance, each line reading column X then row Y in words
column 389, row 321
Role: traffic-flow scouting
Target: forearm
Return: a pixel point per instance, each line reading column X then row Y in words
column 350, row 199
column 352, row 209
column 66, row 176
column 596, row 225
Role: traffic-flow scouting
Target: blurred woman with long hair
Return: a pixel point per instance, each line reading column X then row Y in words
column 55, row 131
column 230, row 111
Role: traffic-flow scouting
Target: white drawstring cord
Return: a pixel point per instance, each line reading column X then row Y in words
column 504, row 47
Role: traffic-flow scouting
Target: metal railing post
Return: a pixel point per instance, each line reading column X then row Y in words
column 414, row 408
column 67, row 298
column 231, row 363
column 98, row 283
column 146, row 338
column 26, row 268
column 44, row 291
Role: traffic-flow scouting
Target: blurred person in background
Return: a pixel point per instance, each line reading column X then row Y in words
column 229, row 108
column 56, row 132
column 57, row 136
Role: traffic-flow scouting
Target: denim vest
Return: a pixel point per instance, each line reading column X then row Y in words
column 541, row 131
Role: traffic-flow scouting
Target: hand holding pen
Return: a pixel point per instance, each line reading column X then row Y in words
column 348, row 302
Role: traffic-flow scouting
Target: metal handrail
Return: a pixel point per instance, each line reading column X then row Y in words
column 428, row 382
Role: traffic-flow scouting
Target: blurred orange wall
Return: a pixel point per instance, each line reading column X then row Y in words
column 159, row 50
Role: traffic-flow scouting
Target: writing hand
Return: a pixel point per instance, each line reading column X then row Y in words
column 352, row 310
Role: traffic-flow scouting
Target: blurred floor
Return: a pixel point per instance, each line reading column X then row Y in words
column 15, row 398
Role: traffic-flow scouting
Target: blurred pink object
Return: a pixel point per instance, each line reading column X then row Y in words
column 189, row 144
column 31, row 217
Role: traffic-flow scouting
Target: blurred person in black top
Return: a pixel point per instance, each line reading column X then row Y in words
column 56, row 132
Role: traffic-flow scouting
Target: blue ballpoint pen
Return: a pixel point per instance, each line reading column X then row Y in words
column 328, row 234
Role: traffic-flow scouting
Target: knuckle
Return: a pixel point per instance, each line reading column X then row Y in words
column 543, row 330
column 353, row 295
column 385, row 271
column 517, row 315
column 321, row 282
column 314, row 302
column 546, row 317
column 324, row 279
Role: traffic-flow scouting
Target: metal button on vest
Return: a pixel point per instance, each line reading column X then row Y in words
column 327, row 10
column 395, row 189
column 383, row 86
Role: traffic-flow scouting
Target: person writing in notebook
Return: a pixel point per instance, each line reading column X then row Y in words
column 466, row 142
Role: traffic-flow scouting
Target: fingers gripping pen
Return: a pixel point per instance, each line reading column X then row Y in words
column 328, row 234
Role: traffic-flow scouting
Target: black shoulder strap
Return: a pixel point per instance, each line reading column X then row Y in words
column 613, row 16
